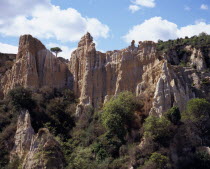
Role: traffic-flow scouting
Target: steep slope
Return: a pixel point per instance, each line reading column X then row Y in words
column 35, row 151
column 35, row 67
column 141, row 70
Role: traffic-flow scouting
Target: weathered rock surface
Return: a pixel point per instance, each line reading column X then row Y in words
column 35, row 67
column 98, row 76
column 36, row 151
column 173, row 89
column 45, row 152
column 23, row 136
column 6, row 63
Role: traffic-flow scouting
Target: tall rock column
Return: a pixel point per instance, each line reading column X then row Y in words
column 23, row 136
column 36, row 67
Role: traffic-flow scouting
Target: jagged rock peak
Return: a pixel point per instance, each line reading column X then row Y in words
column 45, row 152
column 23, row 136
column 34, row 151
column 86, row 40
column 28, row 43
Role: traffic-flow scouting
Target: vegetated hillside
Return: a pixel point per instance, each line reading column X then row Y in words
column 181, row 48
column 162, row 122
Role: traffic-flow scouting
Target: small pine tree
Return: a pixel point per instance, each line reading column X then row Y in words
column 56, row 50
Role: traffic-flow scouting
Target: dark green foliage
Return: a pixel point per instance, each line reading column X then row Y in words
column 108, row 145
column 156, row 161
column 178, row 47
column 203, row 40
column 6, row 143
column 118, row 114
column 173, row 115
column 60, row 119
column 157, row 128
column 21, row 98
column 56, row 50
column 198, row 110
column 198, row 160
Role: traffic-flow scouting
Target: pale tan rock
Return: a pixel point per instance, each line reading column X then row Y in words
column 35, row 67
column 35, row 151
column 98, row 76
column 171, row 90
column 23, row 136
column 45, row 153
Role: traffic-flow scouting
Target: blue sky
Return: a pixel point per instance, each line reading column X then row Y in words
column 113, row 23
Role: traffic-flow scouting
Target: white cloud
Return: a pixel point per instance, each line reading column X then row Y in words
column 204, row 7
column 12, row 8
column 157, row 28
column 66, row 51
column 152, row 29
column 145, row 3
column 191, row 30
column 6, row 48
column 134, row 8
column 49, row 21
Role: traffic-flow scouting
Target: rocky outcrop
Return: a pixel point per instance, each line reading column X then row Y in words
column 23, row 136
column 157, row 78
column 160, row 79
column 173, row 89
column 6, row 63
column 98, row 76
column 35, row 151
column 35, row 67
column 45, row 152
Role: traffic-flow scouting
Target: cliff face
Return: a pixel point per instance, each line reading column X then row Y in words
column 141, row 70
column 6, row 63
column 39, row 150
column 98, row 76
column 35, row 67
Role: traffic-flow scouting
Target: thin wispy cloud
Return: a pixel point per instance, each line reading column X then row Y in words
column 137, row 4
column 134, row 8
column 187, row 8
column 204, row 7
column 145, row 3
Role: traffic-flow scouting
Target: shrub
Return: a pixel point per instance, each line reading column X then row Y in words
column 173, row 115
column 60, row 119
column 21, row 98
column 198, row 110
column 118, row 114
column 107, row 146
column 157, row 128
column 157, row 161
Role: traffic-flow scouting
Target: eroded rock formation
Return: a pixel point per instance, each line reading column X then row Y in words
column 142, row 70
column 36, row 151
column 35, row 67
column 96, row 77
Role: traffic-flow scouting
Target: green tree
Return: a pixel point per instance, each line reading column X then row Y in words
column 157, row 161
column 21, row 98
column 118, row 114
column 198, row 110
column 56, row 50
column 60, row 119
column 157, row 128
column 173, row 115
